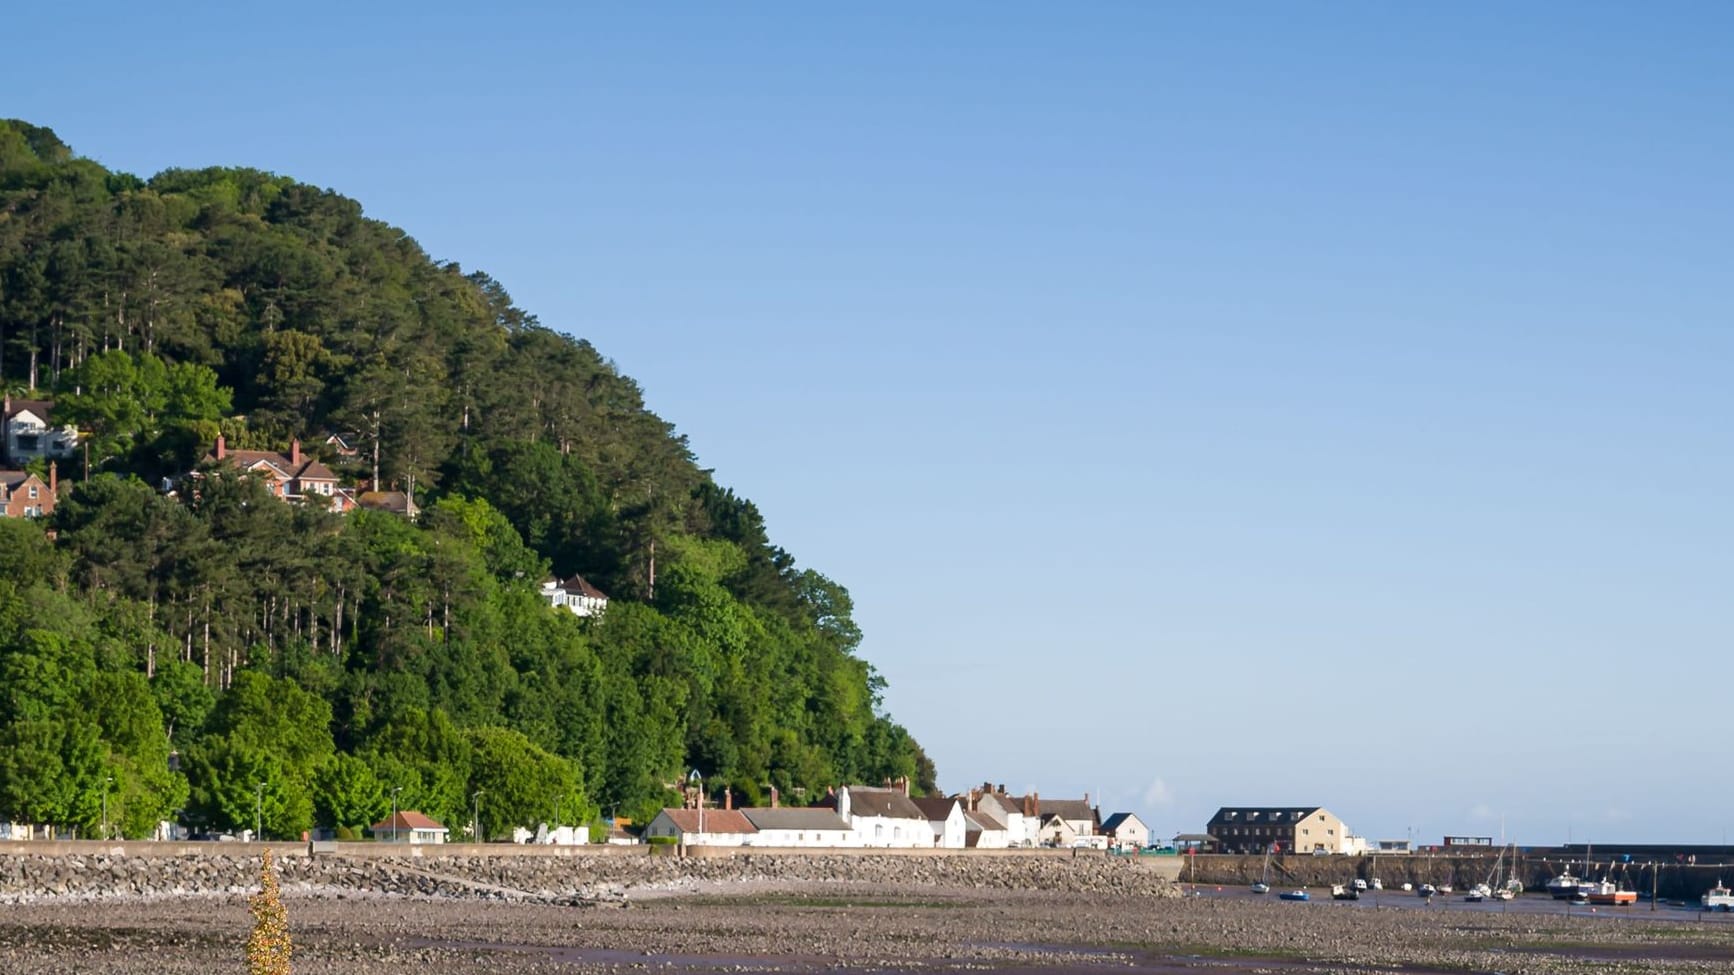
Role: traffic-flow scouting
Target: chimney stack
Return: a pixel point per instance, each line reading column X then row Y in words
column 222, row 448
column 728, row 798
column 773, row 797
column 903, row 780
column 54, row 479
column 295, row 453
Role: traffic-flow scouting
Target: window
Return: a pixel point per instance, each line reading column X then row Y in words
column 33, row 492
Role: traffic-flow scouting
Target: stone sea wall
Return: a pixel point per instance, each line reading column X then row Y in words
column 595, row 878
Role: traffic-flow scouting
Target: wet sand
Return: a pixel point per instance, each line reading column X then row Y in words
column 858, row 928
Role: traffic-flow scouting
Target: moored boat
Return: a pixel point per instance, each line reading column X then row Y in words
column 1295, row 895
column 1718, row 898
column 1564, row 886
column 1343, row 892
column 1606, row 892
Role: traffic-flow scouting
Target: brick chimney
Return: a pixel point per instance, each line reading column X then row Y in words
column 222, row 447
column 54, row 479
column 774, row 797
column 295, row 452
column 728, row 798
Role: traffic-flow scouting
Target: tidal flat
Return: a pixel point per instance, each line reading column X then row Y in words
column 850, row 927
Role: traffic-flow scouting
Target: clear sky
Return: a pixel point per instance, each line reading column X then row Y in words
column 1253, row 403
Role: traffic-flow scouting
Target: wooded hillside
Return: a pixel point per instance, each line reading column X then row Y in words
column 322, row 660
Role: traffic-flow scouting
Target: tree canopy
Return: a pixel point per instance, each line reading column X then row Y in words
column 212, row 653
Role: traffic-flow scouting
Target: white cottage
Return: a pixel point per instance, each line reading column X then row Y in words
column 816, row 827
column 982, row 831
column 882, row 817
column 703, row 827
column 409, row 826
column 946, row 818
column 574, row 595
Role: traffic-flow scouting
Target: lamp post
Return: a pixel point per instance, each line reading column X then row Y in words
column 698, row 780
column 394, row 793
column 258, row 811
column 107, row 783
column 476, row 813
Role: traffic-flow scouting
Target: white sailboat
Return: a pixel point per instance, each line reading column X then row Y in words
column 1262, row 886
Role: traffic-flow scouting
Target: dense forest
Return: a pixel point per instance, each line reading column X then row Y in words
column 189, row 647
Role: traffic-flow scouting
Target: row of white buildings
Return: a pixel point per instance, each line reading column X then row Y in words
column 859, row 816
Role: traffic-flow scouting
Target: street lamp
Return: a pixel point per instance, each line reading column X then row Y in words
column 394, row 793
column 258, row 811
column 698, row 780
column 107, row 783
column 476, row 813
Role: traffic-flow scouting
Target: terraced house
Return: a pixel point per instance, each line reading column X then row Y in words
column 1278, row 829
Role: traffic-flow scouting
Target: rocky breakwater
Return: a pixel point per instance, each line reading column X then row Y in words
column 574, row 879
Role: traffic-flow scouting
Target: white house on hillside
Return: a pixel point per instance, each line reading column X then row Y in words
column 576, row 595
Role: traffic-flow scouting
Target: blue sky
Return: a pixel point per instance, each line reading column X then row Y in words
column 1205, row 404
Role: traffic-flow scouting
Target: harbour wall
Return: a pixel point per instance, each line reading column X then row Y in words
column 1672, row 880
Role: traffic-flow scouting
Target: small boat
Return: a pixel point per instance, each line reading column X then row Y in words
column 1445, row 888
column 1343, row 892
column 1359, row 884
column 1262, row 885
column 1295, row 895
column 1407, row 886
column 1426, row 890
column 1608, row 893
column 1718, row 898
column 1478, row 893
column 1378, row 884
column 1564, row 886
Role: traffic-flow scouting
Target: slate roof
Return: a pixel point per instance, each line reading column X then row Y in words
column 1114, row 822
column 407, row 819
column 889, row 803
column 715, row 821
column 1261, row 815
column 12, row 479
column 980, row 820
column 935, row 808
column 578, row 585
column 793, row 818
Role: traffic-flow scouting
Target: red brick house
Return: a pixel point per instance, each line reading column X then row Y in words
column 292, row 477
column 23, row 495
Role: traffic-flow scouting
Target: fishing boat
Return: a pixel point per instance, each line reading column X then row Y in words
column 1718, row 898
column 1564, row 886
column 1344, row 892
column 1606, row 892
column 1295, row 895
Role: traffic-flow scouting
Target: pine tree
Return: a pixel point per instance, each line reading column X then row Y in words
column 268, row 947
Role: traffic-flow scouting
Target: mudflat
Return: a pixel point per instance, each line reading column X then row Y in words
column 760, row 925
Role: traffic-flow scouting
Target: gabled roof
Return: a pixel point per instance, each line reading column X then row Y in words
column 407, row 819
column 14, row 479
column 793, row 818
column 889, row 803
column 1075, row 810
column 576, row 584
column 1261, row 815
column 1001, row 803
column 980, row 819
column 1115, row 821
column 935, row 808
column 39, row 408
column 715, row 821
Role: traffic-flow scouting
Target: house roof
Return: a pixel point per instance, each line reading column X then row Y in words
column 310, row 468
column 793, row 818
column 577, row 584
column 393, row 501
column 935, row 808
column 1075, row 810
column 1117, row 820
column 715, row 821
column 981, row 820
column 1274, row 815
column 889, row 803
column 407, row 819
column 12, row 479
column 40, row 408
column 999, row 802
